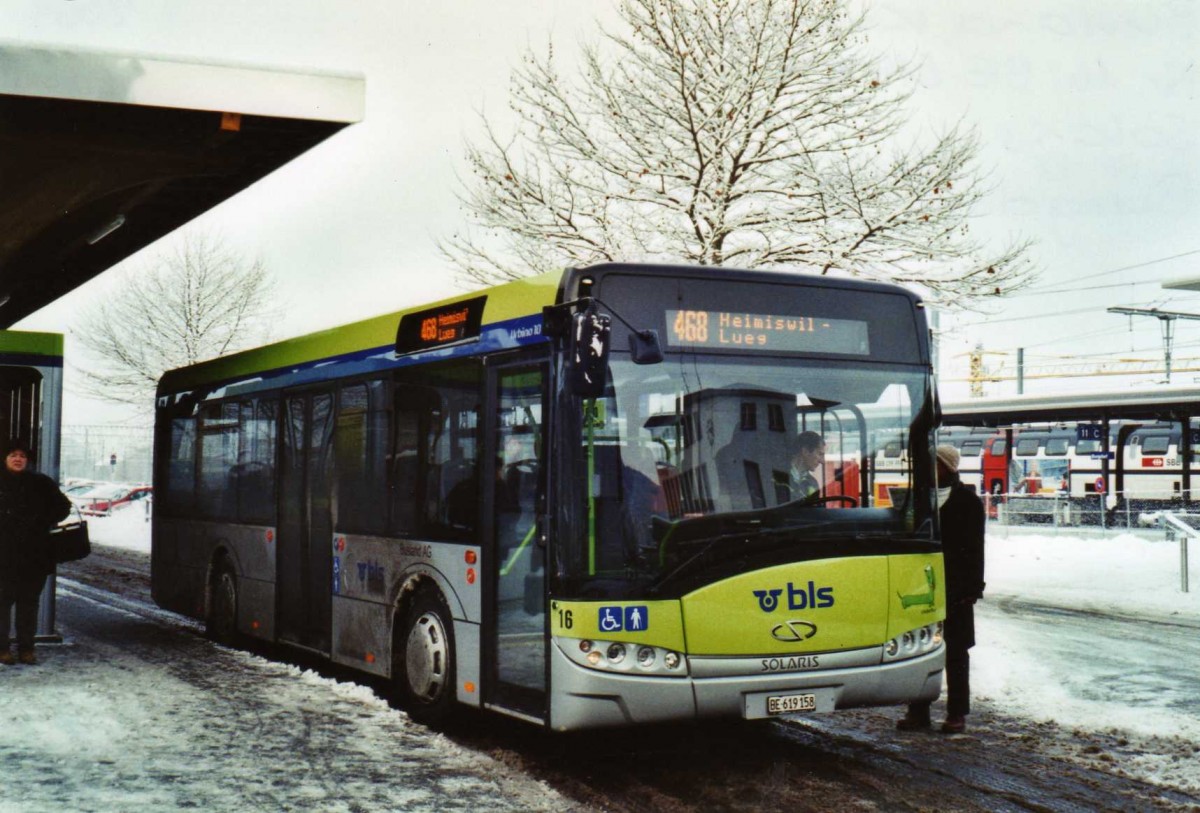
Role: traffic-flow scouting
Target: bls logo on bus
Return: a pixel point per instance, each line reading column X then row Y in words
column 804, row 597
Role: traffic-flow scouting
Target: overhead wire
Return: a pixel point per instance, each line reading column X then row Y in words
column 1097, row 275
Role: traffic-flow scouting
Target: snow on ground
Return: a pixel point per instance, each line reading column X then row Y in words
column 1105, row 673
column 126, row 528
column 128, row 714
column 1121, row 574
column 1125, row 575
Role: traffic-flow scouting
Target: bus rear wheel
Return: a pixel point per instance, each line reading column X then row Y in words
column 423, row 660
column 221, row 623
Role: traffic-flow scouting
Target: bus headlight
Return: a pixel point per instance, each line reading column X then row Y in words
column 912, row 643
column 623, row 657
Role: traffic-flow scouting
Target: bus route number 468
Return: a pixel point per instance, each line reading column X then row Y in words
column 791, row 703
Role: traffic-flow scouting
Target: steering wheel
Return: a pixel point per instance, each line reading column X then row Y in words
column 527, row 466
column 842, row 498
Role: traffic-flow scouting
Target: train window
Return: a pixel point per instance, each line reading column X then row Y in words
column 892, row 449
column 972, row 447
column 1155, row 445
column 1087, row 446
column 1056, row 446
column 999, row 447
column 1027, row 447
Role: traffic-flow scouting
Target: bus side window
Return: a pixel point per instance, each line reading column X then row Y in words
column 180, row 495
column 404, row 470
column 216, row 496
column 255, row 470
column 358, row 439
column 434, row 483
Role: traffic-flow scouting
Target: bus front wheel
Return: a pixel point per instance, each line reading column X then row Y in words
column 423, row 660
column 221, row 623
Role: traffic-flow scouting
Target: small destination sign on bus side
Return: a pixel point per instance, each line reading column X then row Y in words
column 440, row 326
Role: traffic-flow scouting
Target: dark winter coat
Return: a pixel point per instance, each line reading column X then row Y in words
column 962, row 520
column 30, row 505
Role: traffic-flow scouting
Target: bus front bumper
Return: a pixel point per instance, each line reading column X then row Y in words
column 589, row 698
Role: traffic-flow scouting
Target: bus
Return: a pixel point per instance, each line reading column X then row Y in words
column 566, row 498
column 31, row 367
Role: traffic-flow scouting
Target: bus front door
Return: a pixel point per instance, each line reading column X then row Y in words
column 515, row 646
column 304, row 560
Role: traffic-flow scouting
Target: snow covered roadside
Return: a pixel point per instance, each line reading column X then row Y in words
column 132, row 713
column 127, row 528
column 1125, row 576
column 1021, row 668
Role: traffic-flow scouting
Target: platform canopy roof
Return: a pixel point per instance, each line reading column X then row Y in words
column 102, row 153
column 1167, row 403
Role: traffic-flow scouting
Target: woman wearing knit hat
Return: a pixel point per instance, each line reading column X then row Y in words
column 962, row 521
column 30, row 505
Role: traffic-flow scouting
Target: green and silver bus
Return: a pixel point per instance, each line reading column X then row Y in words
column 31, row 368
column 570, row 498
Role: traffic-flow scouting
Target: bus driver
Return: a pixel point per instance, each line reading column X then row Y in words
column 809, row 457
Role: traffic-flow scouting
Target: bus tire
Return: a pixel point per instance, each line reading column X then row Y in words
column 423, row 666
column 220, row 624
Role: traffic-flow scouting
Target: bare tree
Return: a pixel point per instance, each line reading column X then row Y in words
column 197, row 301
column 750, row 133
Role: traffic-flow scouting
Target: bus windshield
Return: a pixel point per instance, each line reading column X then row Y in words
column 714, row 459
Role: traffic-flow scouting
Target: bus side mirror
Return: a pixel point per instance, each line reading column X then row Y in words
column 588, row 353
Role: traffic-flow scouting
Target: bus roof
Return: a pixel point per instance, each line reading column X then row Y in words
column 514, row 306
column 104, row 153
column 368, row 337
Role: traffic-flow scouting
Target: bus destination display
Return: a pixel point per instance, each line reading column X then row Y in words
column 448, row 324
column 781, row 333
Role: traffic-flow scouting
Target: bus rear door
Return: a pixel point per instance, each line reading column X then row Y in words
column 304, row 559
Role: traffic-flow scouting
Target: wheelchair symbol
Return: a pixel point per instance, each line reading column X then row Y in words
column 610, row 619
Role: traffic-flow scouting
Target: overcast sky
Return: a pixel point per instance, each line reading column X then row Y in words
column 1086, row 109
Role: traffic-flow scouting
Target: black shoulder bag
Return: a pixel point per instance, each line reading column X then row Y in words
column 69, row 540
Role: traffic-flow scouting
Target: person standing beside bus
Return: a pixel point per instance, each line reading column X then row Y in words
column 962, row 521
column 809, row 457
column 30, row 505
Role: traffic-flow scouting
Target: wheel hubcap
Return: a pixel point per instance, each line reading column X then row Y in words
column 426, row 657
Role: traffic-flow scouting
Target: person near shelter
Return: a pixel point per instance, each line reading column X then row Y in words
column 30, row 505
column 962, row 521
column 809, row 457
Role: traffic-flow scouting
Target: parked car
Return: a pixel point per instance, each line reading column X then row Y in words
column 79, row 488
column 105, row 499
